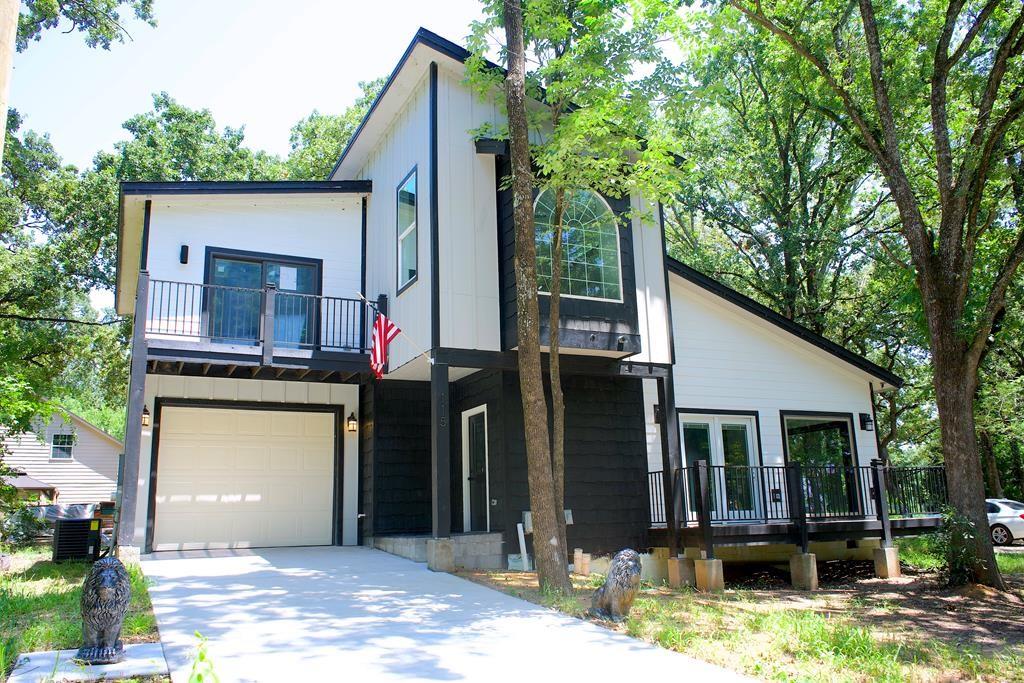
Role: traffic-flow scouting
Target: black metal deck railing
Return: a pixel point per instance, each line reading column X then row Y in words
column 777, row 493
column 238, row 316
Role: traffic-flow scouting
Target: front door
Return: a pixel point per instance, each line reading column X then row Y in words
column 727, row 443
column 475, row 484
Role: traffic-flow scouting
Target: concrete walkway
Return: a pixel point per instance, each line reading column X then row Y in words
column 324, row 614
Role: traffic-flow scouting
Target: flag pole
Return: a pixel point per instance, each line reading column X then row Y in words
column 401, row 332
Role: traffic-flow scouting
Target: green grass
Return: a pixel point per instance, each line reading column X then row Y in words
column 39, row 607
column 920, row 552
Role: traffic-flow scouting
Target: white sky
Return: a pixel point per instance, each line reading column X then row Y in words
column 263, row 64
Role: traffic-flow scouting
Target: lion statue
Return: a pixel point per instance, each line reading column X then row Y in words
column 105, row 597
column 614, row 599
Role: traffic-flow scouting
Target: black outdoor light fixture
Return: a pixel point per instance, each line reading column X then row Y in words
column 183, row 254
column 353, row 423
column 145, row 416
column 867, row 423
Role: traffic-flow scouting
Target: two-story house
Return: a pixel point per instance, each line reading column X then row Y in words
column 254, row 420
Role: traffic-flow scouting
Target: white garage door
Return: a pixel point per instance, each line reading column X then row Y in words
column 243, row 479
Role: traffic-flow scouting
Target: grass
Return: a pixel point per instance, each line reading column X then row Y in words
column 789, row 635
column 920, row 552
column 39, row 607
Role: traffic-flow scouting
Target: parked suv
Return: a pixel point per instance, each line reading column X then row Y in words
column 1005, row 520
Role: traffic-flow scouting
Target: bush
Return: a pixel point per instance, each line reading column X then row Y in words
column 955, row 542
column 20, row 528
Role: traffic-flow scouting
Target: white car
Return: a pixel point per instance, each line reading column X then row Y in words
column 1005, row 520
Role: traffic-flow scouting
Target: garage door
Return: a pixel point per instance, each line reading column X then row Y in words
column 243, row 479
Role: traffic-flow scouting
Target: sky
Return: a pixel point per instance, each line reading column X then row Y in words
column 263, row 64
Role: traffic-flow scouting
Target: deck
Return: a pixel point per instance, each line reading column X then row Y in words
column 741, row 505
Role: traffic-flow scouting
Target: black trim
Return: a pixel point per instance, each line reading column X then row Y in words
column 362, row 275
column 147, row 214
column 247, row 187
column 174, row 402
column 435, row 258
column 884, row 457
column 399, row 287
column 726, row 413
column 491, row 146
column 760, row 310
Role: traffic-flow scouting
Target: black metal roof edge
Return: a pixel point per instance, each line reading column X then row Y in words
column 425, row 37
column 246, row 187
column 760, row 310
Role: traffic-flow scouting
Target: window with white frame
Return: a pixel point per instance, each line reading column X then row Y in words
column 407, row 243
column 61, row 446
column 728, row 443
column 590, row 246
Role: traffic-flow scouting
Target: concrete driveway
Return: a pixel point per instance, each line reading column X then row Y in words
column 325, row 614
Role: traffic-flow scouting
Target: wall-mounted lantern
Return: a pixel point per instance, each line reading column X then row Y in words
column 659, row 414
column 183, row 254
column 867, row 423
column 145, row 416
column 353, row 423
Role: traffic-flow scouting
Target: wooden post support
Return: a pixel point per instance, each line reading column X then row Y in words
column 269, row 301
column 703, row 492
column 129, row 483
column 440, row 451
column 878, row 481
column 671, row 461
column 797, row 509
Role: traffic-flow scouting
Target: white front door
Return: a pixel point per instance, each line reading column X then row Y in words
column 476, row 493
column 231, row 478
column 728, row 443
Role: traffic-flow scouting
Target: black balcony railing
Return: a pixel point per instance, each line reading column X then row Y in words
column 776, row 493
column 202, row 313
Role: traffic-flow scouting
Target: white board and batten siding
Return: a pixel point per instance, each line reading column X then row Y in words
column 89, row 476
column 403, row 146
column 729, row 360
column 651, row 298
column 467, row 219
column 228, row 390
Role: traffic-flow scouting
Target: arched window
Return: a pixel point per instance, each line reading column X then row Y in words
column 590, row 245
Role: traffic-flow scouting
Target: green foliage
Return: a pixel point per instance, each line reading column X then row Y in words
column 317, row 140
column 99, row 20
column 955, row 543
column 202, row 668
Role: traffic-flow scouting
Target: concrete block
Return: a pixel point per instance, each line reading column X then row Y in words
column 577, row 559
column 142, row 660
column 440, row 557
column 887, row 563
column 803, row 571
column 584, row 568
column 653, row 569
column 491, row 562
column 709, row 575
column 681, row 573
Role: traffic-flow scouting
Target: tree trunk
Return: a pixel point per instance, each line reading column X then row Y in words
column 954, row 381
column 549, row 555
column 554, row 367
column 995, row 486
column 9, row 10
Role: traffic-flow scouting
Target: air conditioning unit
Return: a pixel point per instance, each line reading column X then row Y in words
column 76, row 539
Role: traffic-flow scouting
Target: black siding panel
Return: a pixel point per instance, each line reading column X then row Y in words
column 580, row 318
column 482, row 387
column 606, row 463
column 401, row 462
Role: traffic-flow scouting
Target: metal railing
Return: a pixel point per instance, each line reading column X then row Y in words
column 778, row 493
column 250, row 317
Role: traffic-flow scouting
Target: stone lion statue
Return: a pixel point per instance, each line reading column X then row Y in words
column 614, row 599
column 105, row 597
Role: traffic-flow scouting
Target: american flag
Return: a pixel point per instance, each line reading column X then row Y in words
column 384, row 332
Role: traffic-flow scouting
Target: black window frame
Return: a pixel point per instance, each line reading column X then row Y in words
column 399, row 287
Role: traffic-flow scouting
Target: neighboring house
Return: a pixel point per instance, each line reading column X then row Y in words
column 74, row 459
column 250, row 360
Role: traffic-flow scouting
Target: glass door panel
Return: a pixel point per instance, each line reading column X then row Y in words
column 822, row 445
column 234, row 307
column 295, row 316
column 696, row 446
column 738, row 477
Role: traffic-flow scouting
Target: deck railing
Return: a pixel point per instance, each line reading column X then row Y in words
column 204, row 313
column 777, row 493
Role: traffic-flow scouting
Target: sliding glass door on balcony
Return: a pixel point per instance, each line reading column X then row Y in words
column 235, row 302
column 728, row 444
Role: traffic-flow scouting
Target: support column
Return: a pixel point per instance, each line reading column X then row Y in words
column 671, row 460
column 129, row 484
column 440, row 451
column 803, row 571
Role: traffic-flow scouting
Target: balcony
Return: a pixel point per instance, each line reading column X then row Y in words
column 796, row 503
column 220, row 330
